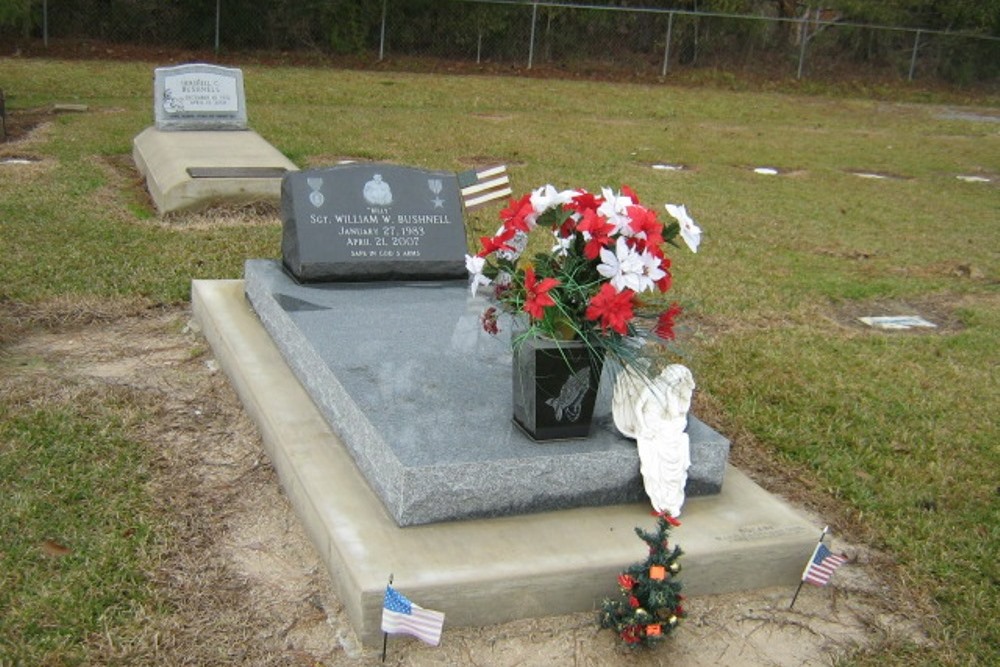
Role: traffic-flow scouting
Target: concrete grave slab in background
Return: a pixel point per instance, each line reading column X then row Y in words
column 167, row 159
column 481, row 571
column 421, row 397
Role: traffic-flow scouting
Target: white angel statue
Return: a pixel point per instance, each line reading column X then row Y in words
column 654, row 412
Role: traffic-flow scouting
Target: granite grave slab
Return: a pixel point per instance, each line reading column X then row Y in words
column 421, row 397
column 372, row 222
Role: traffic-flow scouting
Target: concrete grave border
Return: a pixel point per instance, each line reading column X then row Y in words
column 526, row 566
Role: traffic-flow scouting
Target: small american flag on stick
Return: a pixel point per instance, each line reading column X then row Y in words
column 400, row 616
column 481, row 186
column 820, row 567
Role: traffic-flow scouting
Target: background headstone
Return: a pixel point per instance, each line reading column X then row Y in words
column 199, row 97
column 362, row 222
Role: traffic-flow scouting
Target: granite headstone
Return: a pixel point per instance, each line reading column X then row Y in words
column 365, row 222
column 199, row 97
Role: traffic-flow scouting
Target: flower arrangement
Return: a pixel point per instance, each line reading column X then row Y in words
column 607, row 253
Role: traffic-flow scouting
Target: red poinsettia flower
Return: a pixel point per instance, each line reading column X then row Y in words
column 536, row 296
column 613, row 309
column 515, row 215
column 600, row 231
column 645, row 225
column 494, row 243
column 665, row 323
column 583, row 201
column 630, row 193
column 626, row 581
column 664, row 283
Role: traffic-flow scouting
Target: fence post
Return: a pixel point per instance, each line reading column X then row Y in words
column 45, row 23
column 913, row 58
column 666, row 50
column 531, row 45
column 803, row 38
column 218, row 21
column 381, row 39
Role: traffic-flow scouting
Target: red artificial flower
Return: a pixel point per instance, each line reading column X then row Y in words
column 663, row 284
column 582, row 202
column 613, row 309
column 515, row 215
column 626, row 581
column 644, row 222
column 665, row 326
column 599, row 229
column 630, row 193
column 633, row 602
column 498, row 242
column 536, row 296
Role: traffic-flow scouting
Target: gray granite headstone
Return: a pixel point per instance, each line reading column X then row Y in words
column 364, row 222
column 199, row 97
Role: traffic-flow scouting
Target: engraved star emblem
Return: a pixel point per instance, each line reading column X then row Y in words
column 438, row 202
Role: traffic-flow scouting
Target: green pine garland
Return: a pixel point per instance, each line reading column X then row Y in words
column 650, row 605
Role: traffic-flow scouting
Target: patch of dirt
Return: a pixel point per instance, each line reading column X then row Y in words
column 18, row 125
column 241, row 583
column 24, row 129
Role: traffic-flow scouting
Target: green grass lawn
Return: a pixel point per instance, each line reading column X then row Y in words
column 901, row 429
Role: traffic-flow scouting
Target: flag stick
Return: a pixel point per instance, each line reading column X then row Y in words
column 385, row 635
column 802, row 580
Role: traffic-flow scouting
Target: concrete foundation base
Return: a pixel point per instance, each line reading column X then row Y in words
column 480, row 571
column 164, row 159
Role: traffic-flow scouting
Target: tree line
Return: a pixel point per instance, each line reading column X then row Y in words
column 498, row 30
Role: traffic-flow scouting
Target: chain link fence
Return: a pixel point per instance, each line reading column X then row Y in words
column 569, row 37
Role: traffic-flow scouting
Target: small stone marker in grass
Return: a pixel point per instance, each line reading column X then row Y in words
column 897, row 322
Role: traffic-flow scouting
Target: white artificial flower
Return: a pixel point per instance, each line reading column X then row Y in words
column 615, row 209
column 624, row 267
column 547, row 197
column 652, row 271
column 562, row 246
column 474, row 265
column 690, row 232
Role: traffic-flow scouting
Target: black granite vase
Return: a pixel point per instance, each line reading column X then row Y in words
column 554, row 388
